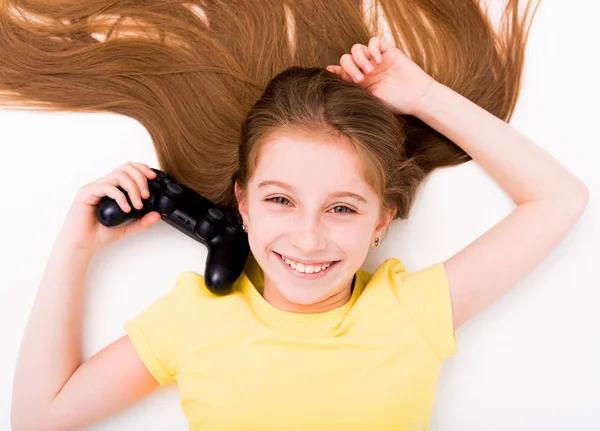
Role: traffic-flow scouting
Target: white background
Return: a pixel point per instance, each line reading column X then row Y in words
column 529, row 362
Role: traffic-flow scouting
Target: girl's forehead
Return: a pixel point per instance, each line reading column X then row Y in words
column 311, row 152
column 311, row 165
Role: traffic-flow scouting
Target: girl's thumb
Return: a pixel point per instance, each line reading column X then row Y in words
column 142, row 224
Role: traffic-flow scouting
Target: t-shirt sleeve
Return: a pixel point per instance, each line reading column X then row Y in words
column 159, row 333
column 425, row 295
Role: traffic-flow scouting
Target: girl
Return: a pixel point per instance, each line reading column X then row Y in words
column 306, row 340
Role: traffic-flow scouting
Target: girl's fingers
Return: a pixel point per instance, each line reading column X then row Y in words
column 141, row 224
column 362, row 57
column 375, row 49
column 340, row 72
column 99, row 189
column 350, row 68
column 147, row 170
column 139, row 177
column 353, row 66
column 121, row 178
column 385, row 45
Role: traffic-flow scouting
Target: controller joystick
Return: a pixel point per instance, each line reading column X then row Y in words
column 209, row 225
column 195, row 216
column 167, row 202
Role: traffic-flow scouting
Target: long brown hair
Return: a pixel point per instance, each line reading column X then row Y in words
column 195, row 75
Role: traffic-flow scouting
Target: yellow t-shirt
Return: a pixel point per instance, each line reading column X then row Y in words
column 242, row 364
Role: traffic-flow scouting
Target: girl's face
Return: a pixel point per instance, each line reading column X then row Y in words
column 311, row 219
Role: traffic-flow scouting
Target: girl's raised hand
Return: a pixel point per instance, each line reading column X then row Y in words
column 387, row 73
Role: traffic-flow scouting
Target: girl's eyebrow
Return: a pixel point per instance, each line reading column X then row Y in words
column 275, row 183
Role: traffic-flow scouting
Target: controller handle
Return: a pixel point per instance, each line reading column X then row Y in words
column 226, row 258
column 110, row 214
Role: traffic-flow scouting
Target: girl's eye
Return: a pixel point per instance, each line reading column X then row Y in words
column 279, row 200
column 341, row 209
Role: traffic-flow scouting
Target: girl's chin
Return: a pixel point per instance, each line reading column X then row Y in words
column 307, row 299
column 302, row 296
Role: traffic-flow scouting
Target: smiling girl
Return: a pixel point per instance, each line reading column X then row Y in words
column 306, row 340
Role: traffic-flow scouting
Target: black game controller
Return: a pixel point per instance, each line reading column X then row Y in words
column 197, row 217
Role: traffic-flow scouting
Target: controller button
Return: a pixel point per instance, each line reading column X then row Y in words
column 230, row 218
column 234, row 227
column 175, row 188
column 215, row 214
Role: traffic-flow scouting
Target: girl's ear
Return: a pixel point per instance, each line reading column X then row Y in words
column 241, row 201
column 384, row 221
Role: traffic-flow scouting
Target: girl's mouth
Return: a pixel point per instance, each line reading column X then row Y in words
column 307, row 271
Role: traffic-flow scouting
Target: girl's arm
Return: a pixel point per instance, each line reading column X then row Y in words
column 52, row 389
column 549, row 198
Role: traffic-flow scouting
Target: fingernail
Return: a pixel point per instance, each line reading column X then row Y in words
column 357, row 78
column 368, row 68
column 378, row 59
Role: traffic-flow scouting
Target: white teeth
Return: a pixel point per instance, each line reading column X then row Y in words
column 306, row 269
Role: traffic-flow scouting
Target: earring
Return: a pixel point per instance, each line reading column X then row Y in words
column 245, row 227
column 377, row 242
